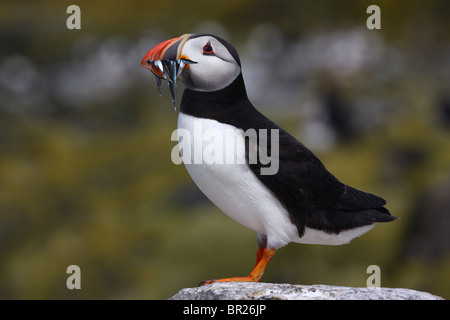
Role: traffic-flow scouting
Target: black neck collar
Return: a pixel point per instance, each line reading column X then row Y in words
column 216, row 104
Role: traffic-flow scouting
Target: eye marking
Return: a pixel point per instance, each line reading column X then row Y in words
column 208, row 49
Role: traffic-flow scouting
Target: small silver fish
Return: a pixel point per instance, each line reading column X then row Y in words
column 171, row 71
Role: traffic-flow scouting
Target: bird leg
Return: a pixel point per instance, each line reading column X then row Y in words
column 259, row 255
column 263, row 257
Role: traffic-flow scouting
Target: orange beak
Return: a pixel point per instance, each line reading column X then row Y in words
column 167, row 50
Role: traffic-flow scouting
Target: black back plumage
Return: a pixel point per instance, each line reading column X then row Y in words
column 313, row 197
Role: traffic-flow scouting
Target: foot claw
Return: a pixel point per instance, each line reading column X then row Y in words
column 205, row 282
column 234, row 279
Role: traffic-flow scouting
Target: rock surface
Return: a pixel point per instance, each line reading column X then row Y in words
column 284, row 291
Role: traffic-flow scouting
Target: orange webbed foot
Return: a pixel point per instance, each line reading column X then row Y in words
column 263, row 256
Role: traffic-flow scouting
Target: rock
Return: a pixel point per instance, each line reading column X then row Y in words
column 284, row 291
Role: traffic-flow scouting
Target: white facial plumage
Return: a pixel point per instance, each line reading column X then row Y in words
column 214, row 70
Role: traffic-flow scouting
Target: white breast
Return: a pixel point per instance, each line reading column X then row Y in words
column 230, row 185
column 212, row 156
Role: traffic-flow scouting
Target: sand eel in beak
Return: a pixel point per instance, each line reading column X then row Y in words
column 167, row 65
column 301, row 201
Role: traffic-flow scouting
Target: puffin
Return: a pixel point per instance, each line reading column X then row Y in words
column 298, row 201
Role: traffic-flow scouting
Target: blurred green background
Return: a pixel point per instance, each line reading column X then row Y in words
column 85, row 171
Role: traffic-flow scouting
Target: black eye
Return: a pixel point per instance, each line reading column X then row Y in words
column 208, row 49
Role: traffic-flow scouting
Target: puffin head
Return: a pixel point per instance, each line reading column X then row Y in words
column 203, row 62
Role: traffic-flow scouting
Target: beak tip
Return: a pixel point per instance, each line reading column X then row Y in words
column 144, row 64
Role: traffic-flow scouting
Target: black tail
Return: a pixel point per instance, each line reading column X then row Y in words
column 382, row 215
column 335, row 221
